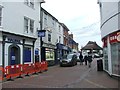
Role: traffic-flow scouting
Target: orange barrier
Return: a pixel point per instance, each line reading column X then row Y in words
column 44, row 66
column 37, row 67
column 28, row 69
column 1, row 73
column 13, row 71
column 18, row 70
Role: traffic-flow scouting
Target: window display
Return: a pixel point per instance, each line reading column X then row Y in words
column 105, row 55
column 115, row 58
column 50, row 54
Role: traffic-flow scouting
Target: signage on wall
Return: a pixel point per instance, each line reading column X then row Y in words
column 104, row 42
column 13, row 40
column 114, row 37
column 41, row 33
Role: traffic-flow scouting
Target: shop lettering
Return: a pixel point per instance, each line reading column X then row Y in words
column 13, row 40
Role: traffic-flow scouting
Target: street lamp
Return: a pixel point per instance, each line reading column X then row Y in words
column 40, row 31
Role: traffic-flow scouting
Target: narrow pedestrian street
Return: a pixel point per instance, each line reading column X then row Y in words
column 79, row 76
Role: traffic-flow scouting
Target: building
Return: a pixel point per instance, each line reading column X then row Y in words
column 53, row 37
column 19, row 22
column 72, row 44
column 110, row 32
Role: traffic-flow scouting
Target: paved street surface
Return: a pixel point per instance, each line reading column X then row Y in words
column 79, row 76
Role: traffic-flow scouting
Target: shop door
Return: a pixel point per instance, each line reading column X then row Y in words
column 14, row 56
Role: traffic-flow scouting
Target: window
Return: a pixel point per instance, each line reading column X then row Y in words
column 59, row 28
column 32, row 3
column 115, row 58
column 105, row 55
column 27, row 52
column 49, row 37
column 45, row 19
column 59, row 39
column 0, row 16
column 28, row 25
column 29, row 3
column 31, row 26
column 26, row 2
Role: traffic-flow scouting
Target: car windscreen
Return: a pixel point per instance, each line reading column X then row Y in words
column 69, row 56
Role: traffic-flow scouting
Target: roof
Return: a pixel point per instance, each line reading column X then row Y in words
column 91, row 46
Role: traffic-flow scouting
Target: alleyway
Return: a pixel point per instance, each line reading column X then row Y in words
column 66, row 77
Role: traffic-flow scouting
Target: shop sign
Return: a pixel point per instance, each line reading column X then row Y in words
column 115, row 37
column 13, row 40
column 104, row 42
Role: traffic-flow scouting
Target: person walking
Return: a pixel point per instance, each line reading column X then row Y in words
column 85, row 59
column 89, row 60
column 81, row 58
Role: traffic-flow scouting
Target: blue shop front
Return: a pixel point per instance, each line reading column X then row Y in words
column 61, row 51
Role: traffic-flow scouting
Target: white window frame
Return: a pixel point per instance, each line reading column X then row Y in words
column 0, row 16
column 29, row 26
column 30, row 3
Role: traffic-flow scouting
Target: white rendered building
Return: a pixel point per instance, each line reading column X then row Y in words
column 110, row 32
column 19, row 21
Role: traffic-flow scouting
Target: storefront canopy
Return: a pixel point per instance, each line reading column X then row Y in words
column 91, row 46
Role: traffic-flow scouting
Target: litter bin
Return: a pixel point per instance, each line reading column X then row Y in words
column 99, row 65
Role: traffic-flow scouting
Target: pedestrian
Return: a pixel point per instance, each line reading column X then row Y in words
column 85, row 59
column 89, row 60
column 81, row 58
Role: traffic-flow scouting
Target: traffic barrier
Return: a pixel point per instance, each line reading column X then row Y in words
column 44, row 66
column 13, row 71
column 37, row 67
column 28, row 69
column 1, row 73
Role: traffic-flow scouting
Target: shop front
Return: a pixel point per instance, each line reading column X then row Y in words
column 48, row 53
column 17, row 49
column 112, row 53
column 61, row 51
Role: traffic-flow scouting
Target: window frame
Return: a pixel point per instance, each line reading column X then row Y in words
column 0, row 16
column 29, row 27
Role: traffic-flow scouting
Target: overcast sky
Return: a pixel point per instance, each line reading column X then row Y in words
column 80, row 16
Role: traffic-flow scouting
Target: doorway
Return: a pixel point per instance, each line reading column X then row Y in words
column 14, row 55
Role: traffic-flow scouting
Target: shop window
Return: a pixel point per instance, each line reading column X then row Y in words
column 50, row 55
column 105, row 55
column 115, row 58
column 27, row 54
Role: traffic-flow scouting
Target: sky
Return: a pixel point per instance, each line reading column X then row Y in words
column 82, row 17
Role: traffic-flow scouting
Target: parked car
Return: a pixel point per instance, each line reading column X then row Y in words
column 69, row 60
column 96, row 56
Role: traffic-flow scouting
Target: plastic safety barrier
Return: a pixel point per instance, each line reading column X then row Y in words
column 44, row 66
column 1, row 73
column 37, row 67
column 13, row 71
column 29, row 68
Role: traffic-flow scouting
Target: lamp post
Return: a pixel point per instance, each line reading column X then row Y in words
column 41, row 33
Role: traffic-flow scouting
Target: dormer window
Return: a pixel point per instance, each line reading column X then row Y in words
column 29, row 3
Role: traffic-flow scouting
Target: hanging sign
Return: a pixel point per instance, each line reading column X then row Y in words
column 41, row 33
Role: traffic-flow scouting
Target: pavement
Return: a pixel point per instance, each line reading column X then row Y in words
column 79, row 76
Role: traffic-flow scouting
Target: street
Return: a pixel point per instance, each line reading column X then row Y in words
column 79, row 76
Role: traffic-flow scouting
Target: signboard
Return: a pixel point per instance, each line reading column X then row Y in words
column 41, row 33
column 114, row 37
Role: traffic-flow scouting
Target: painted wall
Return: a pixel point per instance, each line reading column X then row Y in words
column 108, row 10
column 13, row 17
